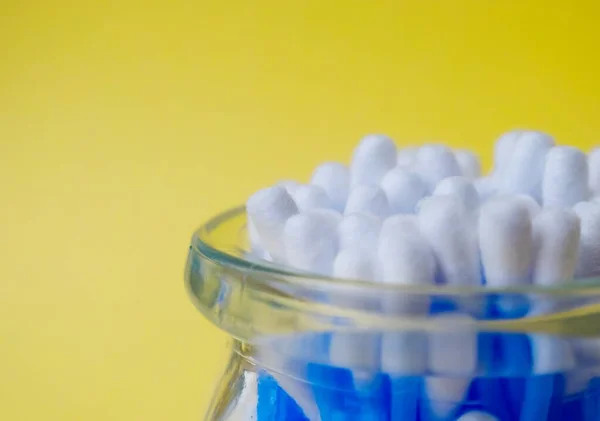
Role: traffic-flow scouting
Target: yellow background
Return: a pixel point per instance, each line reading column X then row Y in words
column 125, row 124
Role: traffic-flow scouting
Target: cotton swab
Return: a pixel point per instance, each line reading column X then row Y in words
column 404, row 258
column 404, row 254
column 445, row 223
column 453, row 347
column 486, row 187
column 588, row 263
column 256, row 247
column 533, row 208
column 505, row 241
column 289, row 185
column 552, row 358
column 373, row 158
column 332, row 217
column 477, row 416
column 403, row 190
column 406, row 157
column 354, row 264
column 268, row 210
column 357, row 351
column 469, row 164
column 565, row 180
column 368, row 199
column 311, row 242
column 525, row 169
column 460, row 187
column 445, row 394
column 404, row 353
column 503, row 151
column 452, row 362
column 435, row 163
column 594, row 170
column 556, row 234
column 309, row 197
column 334, row 178
column 360, row 232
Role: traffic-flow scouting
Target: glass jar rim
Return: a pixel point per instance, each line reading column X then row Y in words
column 230, row 256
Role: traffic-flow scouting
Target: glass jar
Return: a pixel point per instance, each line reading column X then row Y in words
column 310, row 348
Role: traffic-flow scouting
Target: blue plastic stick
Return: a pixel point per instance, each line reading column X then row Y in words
column 543, row 397
column 274, row 404
column 338, row 399
column 405, row 392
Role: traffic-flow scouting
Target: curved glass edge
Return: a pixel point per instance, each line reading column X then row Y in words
column 250, row 304
column 231, row 255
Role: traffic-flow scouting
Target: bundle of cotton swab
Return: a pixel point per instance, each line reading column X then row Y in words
column 426, row 215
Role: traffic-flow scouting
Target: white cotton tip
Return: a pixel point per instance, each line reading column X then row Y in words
column 551, row 354
column 556, row 234
column 460, row 187
column 504, row 149
column 477, row 416
column 311, row 242
column 289, row 185
column 373, row 158
column 577, row 381
column 453, row 347
column 486, row 187
column 354, row 264
column 359, row 352
column 407, row 157
column 311, row 197
column 533, row 208
column 452, row 362
column 469, row 164
column 565, row 177
column 253, row 237
column 268, row 210
column 367, row 199
column 334, row 178
column 359, row 231
column 588, row 263
column 397, row 225
column 446, row 394
column 445, row 223
column 525, row 169
column 403, row 190
column 505, row 242
column 404, row 353
column 404, row 254
column 333, row 216
column 404, row 257
column 435, row 163
column 256, row 248
column 594, row 170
